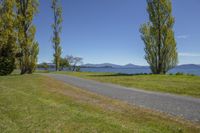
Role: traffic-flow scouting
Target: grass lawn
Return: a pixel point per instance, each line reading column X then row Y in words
column 177, row 84
column 34, row 103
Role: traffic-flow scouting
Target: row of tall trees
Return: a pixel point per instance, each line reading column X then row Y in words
column 157, row 34
column 17, row 36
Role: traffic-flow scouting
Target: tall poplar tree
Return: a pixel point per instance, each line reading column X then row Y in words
column 57, row 27
column 158, row 37
column 28, row 47
column 7, row 36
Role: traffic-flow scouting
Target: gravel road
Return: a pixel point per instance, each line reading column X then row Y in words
column 183, row 106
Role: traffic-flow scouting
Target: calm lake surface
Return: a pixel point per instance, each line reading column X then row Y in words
column 140, row 70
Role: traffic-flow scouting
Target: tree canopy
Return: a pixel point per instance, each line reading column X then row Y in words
column 7, row 36
column 158, row 36
column 28, row 47
column 57, row 27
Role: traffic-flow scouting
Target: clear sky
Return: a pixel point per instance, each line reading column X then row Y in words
column 107, row 31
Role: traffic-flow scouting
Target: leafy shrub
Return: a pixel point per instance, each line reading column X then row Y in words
column 187, row 74
column 179, row 73
column 7, row 65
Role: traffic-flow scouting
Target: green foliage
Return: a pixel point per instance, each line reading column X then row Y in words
column 26, row 35
column 78, row 69
column 7, row 65
column 74, row 62
column 180, row 73
column 64, row 63
column 43, row 65
column 158, row 37
column 57, row 10
column 33, row 57
column 7, row 36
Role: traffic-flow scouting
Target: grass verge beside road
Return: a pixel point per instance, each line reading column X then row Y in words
column 176, row 84
column 34, row 103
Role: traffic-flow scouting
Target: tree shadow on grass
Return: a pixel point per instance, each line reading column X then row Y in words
column 15, row 74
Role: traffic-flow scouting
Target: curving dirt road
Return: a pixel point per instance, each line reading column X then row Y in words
column 186, row 107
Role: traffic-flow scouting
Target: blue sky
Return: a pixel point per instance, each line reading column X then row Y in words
column 102, row 31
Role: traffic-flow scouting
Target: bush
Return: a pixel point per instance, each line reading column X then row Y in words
column 187, row 74
column 78, row 69
column 7, row 65
column 179, row 73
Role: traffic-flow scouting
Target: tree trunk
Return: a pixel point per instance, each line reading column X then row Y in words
column 159, row 71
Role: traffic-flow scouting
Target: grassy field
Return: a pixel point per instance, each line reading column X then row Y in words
column 34, row 103
column 177, row 84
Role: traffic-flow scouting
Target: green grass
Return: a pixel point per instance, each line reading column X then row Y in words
column 34, row 103
column 177, row 84
column 41, row 71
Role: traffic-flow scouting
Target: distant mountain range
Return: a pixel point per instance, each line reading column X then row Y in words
column 189, row 66
column 109, row 65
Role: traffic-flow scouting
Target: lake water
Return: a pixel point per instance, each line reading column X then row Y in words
column 140, row 70
column 134, row 70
